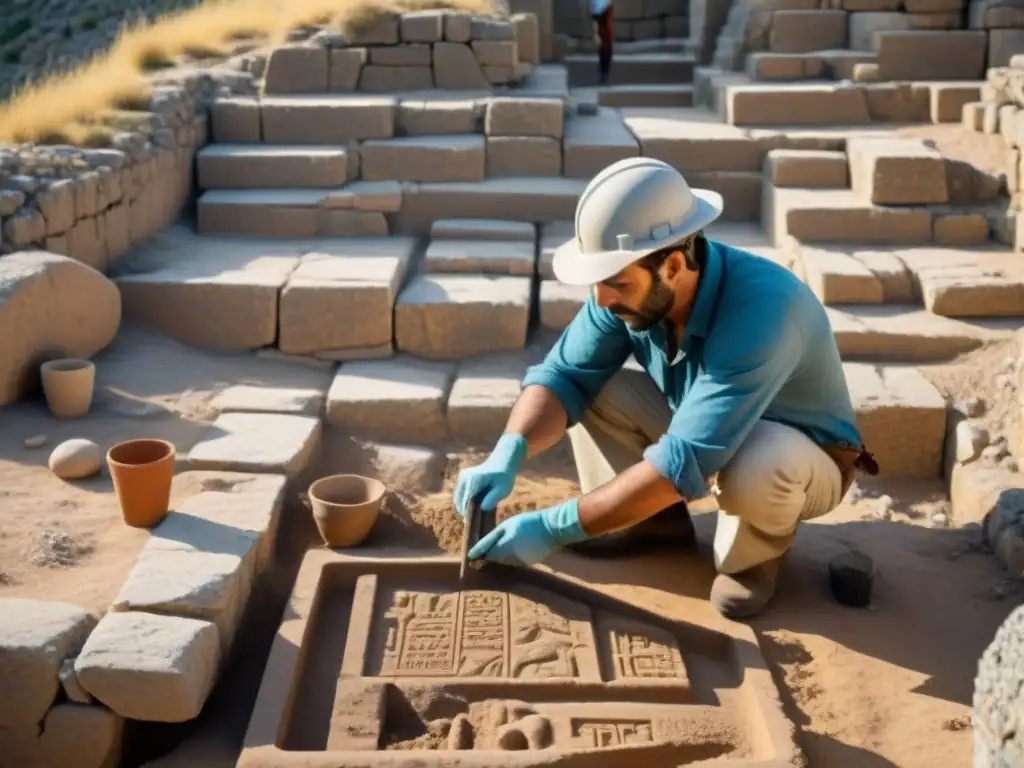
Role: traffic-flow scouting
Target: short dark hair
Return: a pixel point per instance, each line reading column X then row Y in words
column 693, row 248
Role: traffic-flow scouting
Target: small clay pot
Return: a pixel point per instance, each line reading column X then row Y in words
column 345, row 507
column 142, row 471
column 68, row 384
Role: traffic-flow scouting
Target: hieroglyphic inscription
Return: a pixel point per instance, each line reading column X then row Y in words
column 611, row 733
column 642, row 651
column 484, row 633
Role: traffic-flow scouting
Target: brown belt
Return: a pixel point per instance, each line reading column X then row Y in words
column 850, row 459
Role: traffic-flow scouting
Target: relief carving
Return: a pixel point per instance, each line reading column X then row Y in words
column 594, row 734
column 641, row 651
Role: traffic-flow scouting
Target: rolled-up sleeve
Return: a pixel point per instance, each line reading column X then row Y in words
column 590, row 350
column 747, row 360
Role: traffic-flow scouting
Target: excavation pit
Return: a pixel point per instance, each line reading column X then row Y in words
column 386, row 662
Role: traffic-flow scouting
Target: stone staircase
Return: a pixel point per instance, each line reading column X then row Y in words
column 647, row 74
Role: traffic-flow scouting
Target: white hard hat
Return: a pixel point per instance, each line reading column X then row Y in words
column 632, row 208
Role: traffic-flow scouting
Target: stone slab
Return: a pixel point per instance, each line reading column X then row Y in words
column 838, row 278
column 513, row 116
column 901, row 416
column 968, row 283
column 270, row 443
column 149, row 667
column 291, row 213
column 807, row 169
column 559, row 303
column 342, row 295
column 241, row 166
column 765, row 105
column 35, row 637
column 398, row 400
column 932, row 54
column 523, row 156
column 418, row 117
column 300, row 68
column 495, row 257
column 425, row 158
column 553, row 234
column 373, row 196
column 897, row 171
column 332, row 119
column 694, row 141
column 483, row 229
column 482, row 396
column 593, row 143
column 409, row 469
column 235, row 121
column 451, row 317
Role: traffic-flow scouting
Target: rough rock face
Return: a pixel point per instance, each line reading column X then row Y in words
column 999, row 698
column 50, row 306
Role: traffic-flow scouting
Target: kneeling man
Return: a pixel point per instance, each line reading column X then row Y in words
column 693, row 368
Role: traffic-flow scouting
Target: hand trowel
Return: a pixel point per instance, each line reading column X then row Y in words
column 476, row 525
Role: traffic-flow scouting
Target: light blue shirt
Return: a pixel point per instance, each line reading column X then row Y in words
column 758, row 345
column 597, row 6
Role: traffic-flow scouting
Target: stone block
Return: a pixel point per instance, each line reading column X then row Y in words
column 425, row 158
column 483, row 229
column 381, row 29
column 497, row 257
column 451, row 317
column 399, row 400
column 458, row 27
column 1003, row 44
column 807, row 31
column 265, row 399
column 327, row 119
column 898, row 102
column 233, row 166
column 342, row 295
column 483, row 28
column 371, row 196
column 795, row 105
column 932, row 55
column 349, row 223
column 593, row 143
column 422, row 26
column 508, row 116
column 972, row 290
column 346, row 66
column 807, row 168
column 409, row 469
column 118, row 231
column 897, row 172
column 482, row 396
column 839, row 278
column 496, row 53
column 408, row 55
column 298, row 68
column 56, row 203
column 270, row 443
column 35, row 637
column 456, row 67
column 501, row 75
column 553, row 234
column 559, row 303
column 544, row 11
column 26, row 227
column 150, row 667
column 87, row 187
column 87, row 243
column 994, row 14
column 422, row 117
column 960, row 229
column 948, row 100
column 523, row 156
column 527, row 37
column 271, row 213
column 901, row 417
column 236, row 120
column 80, row 736
column 863, row 27
column 395, row 79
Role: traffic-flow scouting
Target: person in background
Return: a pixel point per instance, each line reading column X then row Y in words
column 601, row 12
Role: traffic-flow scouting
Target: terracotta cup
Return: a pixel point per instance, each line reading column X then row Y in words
column 68, row 384
column 345, row 507
column 142, row 471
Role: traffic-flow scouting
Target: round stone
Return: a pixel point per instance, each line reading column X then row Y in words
column 75, row 459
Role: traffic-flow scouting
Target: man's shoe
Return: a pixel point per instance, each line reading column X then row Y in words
column 745, row 594
column 672, row 527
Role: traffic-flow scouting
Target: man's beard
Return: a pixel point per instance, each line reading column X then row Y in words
column 653, row 310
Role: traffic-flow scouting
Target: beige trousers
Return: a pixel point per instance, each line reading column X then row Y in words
column 777, row 478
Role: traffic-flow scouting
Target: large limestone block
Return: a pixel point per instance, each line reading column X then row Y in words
column 255, row 399
column 527, row 37
column 235, row 121
column 552, row 235
column 333, row 119
column 296, row 69
column 806, row 31
column 80, row 736
column 398, row 400
column 483, row 229
column 425, row 158
column 482, row 396
column 342, row 295
column 346, row 65
column 418, row 117
column 975, row 290
column 901, row 416
column 210, row 293
column 272, row 443
column 50, row 306
column 560, row 303
column 897, row 172
column 807, row 168
column 932, row 55
column 422, row 26
column 514, row 116
column 795, row 105
column 456, row 68
column 948, row 99
column 451, row 317
column 839, row 278
column 150, row 667
column 593, row 143
column 35, row 636
column 492, row 257
column 261, row 212
column 544, row 11
column 698, row 143
column 239, row 166
column 523, row 156
column 900, row 335
column 376, row 78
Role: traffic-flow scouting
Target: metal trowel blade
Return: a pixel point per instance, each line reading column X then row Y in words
column 475, row 528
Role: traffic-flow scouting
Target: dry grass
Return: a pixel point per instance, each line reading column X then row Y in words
column 58, row 108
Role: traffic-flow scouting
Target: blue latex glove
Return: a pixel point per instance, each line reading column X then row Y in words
column 530, row 537
column 493, row 480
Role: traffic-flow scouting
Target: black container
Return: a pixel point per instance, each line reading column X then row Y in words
column 851, row 577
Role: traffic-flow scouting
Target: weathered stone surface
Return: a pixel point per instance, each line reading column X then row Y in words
column 422, row 26
column 494, row 257
column 458, row 27
column 256, row 399
column 801, row 31
column 258, row 442
column 57, row 204
column 948, row 100
column 234, row 166
column 35, row 637
column 931, row 55
column 897, row 172
column 399, row 400
column 371, row 196
column 448, row 317
column 69, row 682
column 409, row 469
column 425, row 158
column 381, row 29
column 345, row 67
column 482, row 397
column 495, row 53
column 342, row 295
column 296, row 69
column 456, row 68
column 901, row 416
column 807, row 168
column 593, row 143
column 984, row 494
column 960, row 229
column 26, row 227
column 523, row 156
column 483, row 229
column 552, row 235
column 420, row 117
column 394, row 79
column 149, row 667
column 839, row 278
column 82, row 736
column 559, row 303
column 795, row 105
column 508, row 116
column 327, row 119
column 236, row 120
column 50, row 305
column 230, row 288
column 863, row 27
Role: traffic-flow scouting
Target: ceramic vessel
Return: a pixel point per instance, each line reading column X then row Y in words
column 142, row 471
column 345, row 507
column 68, row 385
